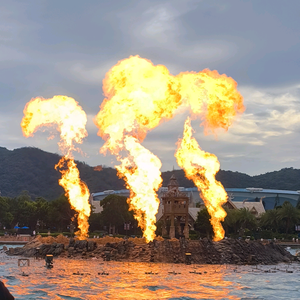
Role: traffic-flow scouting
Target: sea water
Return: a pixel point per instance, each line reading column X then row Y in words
column 95, row 279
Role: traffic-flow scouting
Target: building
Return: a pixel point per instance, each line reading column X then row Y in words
column 175, row 206
column 269, row 198
column 257, row 200
column 256, row 208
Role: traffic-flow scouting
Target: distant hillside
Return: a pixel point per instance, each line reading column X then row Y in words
column 285, row 179
column 33, row 170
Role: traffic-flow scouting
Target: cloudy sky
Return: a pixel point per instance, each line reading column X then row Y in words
column 52, row 47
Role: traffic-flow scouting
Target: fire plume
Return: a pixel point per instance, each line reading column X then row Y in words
column 141, row 170
column 139, row 97
column 70, row 121
column 216, row 100
column 202, row 167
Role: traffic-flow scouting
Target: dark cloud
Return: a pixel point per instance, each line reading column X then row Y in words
column 66, row 47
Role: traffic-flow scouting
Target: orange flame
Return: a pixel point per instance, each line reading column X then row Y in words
column 215, row 98
column 141, row 170
column 202, row 168
column 139, row 96
column 70, row 120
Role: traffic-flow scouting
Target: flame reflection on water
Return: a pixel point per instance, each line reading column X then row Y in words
column 125, row 280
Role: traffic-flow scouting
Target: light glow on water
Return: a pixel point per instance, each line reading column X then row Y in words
column 129, row 281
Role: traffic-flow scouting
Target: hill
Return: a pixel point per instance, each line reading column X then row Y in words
column 33, row 170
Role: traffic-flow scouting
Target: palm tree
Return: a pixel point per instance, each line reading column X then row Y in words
column 239, row 219
column 270, row 219
column 289, row 214
column 231, row 220
column 247, row 219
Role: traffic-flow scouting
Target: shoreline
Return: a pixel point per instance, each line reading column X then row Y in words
column 229, row 251
column 13, row 242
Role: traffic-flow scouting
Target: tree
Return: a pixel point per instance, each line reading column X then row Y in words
column 116, row 211
column 61, row 213
column 95, row 221
column 5, row 215
column 246, row 219
column 202, row 224
column 42, row 212
column 270, row 220
column 231, row 221
column 239, row 220
column 289, row 214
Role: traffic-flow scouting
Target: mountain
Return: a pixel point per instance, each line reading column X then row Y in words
column 32, row 169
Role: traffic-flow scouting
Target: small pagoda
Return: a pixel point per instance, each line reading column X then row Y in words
column 175, row 207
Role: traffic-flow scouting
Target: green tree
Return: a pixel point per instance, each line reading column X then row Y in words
column 230, row 223
column 42, row 212
column 60, row 213
column 116, row 211
column 6, row 216
column 95, row 221
column 238, row 220
column 270, row 220
column 202, row 224
column 289, row 214
column 246, row 219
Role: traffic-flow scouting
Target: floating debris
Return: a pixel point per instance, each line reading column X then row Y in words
column 103, row 273
column 81, row 274
column 151, row 273
column 195, row 272
column 174, row 273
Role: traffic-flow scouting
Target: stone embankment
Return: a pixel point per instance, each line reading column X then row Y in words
column 227, row 251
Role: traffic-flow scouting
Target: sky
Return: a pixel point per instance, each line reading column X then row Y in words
column 51, row 47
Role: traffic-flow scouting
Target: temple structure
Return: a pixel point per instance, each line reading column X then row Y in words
column 175, row 210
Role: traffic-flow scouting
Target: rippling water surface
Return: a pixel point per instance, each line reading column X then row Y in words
column 79, row 279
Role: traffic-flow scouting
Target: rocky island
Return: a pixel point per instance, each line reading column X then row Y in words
column 227, row 251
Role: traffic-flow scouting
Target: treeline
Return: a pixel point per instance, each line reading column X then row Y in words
column 275, row 223
column 32, row 169
column 38, row 214
column 42, row 215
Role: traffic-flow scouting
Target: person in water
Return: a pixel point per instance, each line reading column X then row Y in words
column 4, row 292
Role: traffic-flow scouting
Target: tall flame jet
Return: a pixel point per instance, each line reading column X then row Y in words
column 70, row 121
column 215, row 99
column 139, row 96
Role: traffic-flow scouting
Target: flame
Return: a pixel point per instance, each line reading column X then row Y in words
column 202, row 167
column 143, row 180
column 70, row 120
column 139, row 96
column 215, row 98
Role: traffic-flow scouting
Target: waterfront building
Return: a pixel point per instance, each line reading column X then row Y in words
column 256, row 200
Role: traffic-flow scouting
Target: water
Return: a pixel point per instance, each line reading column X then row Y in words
column 129, row 281
column 10, row 246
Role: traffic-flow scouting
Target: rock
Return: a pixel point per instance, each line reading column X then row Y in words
column 91, row 246
column 229, row 251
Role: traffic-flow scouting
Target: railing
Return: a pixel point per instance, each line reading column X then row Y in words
column 18, row 238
